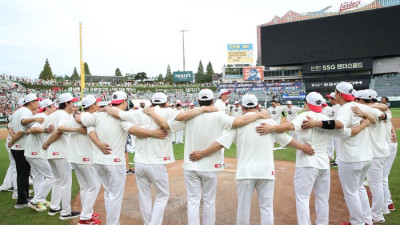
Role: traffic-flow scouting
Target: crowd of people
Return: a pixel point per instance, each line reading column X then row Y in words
column 46, row 141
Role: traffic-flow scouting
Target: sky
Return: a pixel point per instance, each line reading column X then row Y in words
column 135, row 36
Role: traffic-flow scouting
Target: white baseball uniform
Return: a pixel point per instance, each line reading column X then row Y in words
column 236, row 111
column 375, row 174
column 313, row 172
column 10, row 179
column 388, row 165
column 220, row 105
column 333, row 145
column 354, row 160
column 110, row 168
column 201, row 132
column 151, row 158
column 255, row 168
column 276, row 113
column 43, row 179
column 80, row 155
column 56, row 154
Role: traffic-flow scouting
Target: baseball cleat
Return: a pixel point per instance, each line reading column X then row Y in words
column 53, row 212
column 70, row 216
column 89, row 222
column 391, row 207
column 38, row 207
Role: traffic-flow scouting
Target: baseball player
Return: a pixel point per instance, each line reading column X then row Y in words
column 43, row 179
column 255, row 165
column 236, row 110
column 223, row 96
column 21, row 121
column 381, row 153
column 80, row 155
column 191, row 105
column 10, row 179
column 200, row 131
column 312, row 171
column 275, row 111
column 391, row 139
column 333, row 144
column 109, row 158
column 56, row 146
column 355, row 153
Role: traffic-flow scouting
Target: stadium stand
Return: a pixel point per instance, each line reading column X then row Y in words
column 387, row 85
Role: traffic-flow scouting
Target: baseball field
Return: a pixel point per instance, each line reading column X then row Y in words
column 175, row 213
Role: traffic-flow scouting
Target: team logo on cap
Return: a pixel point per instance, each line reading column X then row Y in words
column 115, row 96
column 318, row 102
column 350, row 91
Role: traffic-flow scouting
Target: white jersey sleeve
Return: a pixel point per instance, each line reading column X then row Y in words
column 227, row 138
column 226, row 120
column 88, row 119
column 175, row 125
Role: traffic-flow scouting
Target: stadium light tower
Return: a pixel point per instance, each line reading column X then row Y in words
column 183, row 45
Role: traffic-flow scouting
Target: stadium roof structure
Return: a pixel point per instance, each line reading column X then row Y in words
column 112, row 79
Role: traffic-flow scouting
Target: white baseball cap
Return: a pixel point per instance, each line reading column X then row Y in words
column 331, row 95
column 236, row 102
column 289, row 103
column 142, row 102
column 31, row 97
column 67, row 97
column 346, row 89
column 249, row 100
column 205, row 95
column 159, row 98
column 192, row 103
column 315, row 101
column 363, row 94
column 45, row 103
column 20, row 102
column 118, row 97
column 373, row 93
column 89, row 100
column 324, row 103
column 178, row 102
column 224, row 91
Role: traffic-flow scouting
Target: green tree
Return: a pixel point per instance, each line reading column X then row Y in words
column 168, row 76
column 75, row 75
column 160, row 78
column 141, row 76
column 87, row 71
column 118, row 73
column 199, row 76
column 46, row 73
column 209, row 72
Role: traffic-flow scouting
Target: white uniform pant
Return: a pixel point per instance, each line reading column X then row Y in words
column 332, row 147
column 375, row 181
column 10, row 180
column 386, row 171
column 307, row 179
column 156, row 175
column 194, row 182
column 265, row 193
column 113, row 180
column 43, row 180
column 89, row 188
column 179, row 136
column 352, row 177
column 62, row 187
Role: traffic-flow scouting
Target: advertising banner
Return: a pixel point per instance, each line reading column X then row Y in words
column 337, row 66
column 183, row 76
column 240, row 53
column 293, row 96
column 253, row 73
column 257, row 87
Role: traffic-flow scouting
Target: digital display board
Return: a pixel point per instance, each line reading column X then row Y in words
column 365, row 34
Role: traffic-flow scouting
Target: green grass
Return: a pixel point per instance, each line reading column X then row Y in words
column 395, row 112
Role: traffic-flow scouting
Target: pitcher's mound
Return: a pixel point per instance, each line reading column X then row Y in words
column 175, row 212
